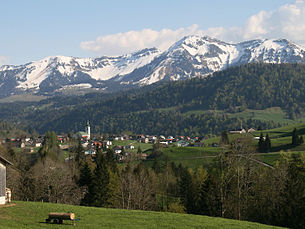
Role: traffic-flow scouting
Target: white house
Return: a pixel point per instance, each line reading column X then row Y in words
column 3, row 190
column 106, row 144
column 241, row 131
column 129, row 146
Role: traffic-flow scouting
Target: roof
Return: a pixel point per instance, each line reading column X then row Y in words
column 2, row 159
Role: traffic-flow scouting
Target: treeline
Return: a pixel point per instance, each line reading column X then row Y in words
column 156, row 122
column 236, row 185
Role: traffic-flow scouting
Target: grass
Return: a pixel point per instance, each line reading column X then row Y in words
column 275, row 114
column 283, row 131
column 193, row 157
column 136, row 144
column 32, row 215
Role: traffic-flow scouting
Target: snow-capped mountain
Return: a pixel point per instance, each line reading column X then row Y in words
column 190, row 57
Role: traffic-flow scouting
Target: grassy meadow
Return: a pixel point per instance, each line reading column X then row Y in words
column 32, row 215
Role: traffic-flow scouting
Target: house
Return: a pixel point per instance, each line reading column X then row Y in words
column 163, row 142
column 182, row 143
column 129, row 147
column 90, row 152
column 152, row 138
column 119, row 138
column 106, row 144
column 144, row 140
column 162, row 137
column 251, row 130
column 118, row 149
column 38, row 144
column 4, row 192
column 240, row 131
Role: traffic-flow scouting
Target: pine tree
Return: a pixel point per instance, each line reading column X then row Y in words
column 86, row 179
column 295, row 137
column 186, row 190
column 261, row 143
column 301, row 140
column 111, row 160
column 224, row 140
column 156, row 166
column 267, row 144
column 79, row 152
column 100, row 184
column 139, row 150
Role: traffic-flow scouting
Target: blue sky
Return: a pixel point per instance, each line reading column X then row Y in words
column 34, row 29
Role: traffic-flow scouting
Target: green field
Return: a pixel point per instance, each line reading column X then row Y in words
column 136, row 144
column 275, row 114
column 193, row 157
column 32, row 215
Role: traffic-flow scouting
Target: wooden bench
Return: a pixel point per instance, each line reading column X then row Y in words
column 59, row 217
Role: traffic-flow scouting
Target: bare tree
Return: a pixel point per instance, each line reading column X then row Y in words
column 137, row 190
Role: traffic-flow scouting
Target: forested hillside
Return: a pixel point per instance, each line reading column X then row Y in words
column 197, row 106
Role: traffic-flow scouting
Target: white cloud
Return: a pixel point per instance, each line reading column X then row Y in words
column 119, row 43
column 285, row 22
column 4, row 60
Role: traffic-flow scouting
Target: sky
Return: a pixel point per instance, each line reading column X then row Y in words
column 34, row 29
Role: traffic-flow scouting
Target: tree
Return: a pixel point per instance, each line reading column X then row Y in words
column 301, row 140
column 261, row 145
column 139, row 150
column 224, row 140
column 50, row 147
column 264, row 144
column 267, row 144
column 111, row 160
column 137, row 188
column 51, row 181
column 100, row 185
column 86, row 176
column 295, row 138
column 186, row 190
column 79, row 152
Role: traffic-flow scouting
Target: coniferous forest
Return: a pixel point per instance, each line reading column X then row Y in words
column 191, row 107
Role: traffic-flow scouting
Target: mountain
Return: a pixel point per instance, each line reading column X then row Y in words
column 256, row 95
column 190, row 57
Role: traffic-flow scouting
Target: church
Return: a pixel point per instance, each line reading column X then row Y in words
column 84, row 134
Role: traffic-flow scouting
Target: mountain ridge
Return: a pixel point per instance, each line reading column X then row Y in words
column 190, row 57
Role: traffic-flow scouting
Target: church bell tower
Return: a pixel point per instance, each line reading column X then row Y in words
column 88, row 129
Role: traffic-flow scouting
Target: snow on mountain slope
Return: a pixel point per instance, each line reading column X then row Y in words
column 189, row 57
column 103, row 68
column 199, row 56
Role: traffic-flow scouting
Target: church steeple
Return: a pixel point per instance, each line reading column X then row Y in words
column 88, row 129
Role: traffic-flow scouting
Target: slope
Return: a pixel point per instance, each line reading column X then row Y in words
column 32, row 215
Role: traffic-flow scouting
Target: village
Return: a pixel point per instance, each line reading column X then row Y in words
column 122, row 144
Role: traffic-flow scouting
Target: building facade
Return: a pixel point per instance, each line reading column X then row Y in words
column 3, row 164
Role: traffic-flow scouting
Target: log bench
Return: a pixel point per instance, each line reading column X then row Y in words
column 59, row 217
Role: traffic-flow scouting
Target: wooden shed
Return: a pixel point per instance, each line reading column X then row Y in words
column 3, row 164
